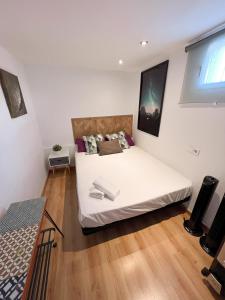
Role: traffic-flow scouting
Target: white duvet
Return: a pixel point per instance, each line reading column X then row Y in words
column 145, row 184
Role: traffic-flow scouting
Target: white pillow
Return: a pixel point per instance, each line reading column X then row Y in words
column 90, row 144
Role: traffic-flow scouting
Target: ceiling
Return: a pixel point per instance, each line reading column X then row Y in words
column 97, row 33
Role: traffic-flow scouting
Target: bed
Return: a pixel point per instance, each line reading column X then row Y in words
column 145, row 183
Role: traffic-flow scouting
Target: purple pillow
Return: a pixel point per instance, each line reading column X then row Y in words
column 80, row 145
column 129, row 140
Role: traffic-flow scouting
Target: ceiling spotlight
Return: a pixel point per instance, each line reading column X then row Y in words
column 144, row 43
column 120, row 62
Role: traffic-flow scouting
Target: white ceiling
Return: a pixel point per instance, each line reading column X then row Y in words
column 96, row 33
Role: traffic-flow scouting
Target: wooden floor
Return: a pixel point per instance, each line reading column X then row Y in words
column 149, row 257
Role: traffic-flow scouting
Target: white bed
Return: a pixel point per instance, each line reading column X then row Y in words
column 145, row 184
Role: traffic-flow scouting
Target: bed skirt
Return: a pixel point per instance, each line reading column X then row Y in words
column 90, row 230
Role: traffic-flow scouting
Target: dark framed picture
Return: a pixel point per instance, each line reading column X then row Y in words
column 13, row 95
column 153, row 82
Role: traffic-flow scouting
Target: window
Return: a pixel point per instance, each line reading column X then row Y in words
column 213, row 70
column 204, row 80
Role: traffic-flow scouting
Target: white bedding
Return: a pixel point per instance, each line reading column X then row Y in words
column 145, row 184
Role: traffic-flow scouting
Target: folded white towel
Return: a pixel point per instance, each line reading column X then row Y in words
column 106, row 187
column 94, row 193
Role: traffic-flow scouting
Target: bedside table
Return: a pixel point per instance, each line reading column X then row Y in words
column 59, row 159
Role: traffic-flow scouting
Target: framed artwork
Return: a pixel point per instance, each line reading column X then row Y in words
column 153, row 82
column 13, row 95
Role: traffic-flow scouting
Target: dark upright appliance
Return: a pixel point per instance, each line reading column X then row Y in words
column 211, row 241
column 193, row 225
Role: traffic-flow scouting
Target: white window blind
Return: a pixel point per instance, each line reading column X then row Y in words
column 204, row 80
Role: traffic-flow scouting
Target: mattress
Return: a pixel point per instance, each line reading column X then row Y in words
column 145, row 184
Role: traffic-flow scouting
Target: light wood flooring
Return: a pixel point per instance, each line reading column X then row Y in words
column 149, row 257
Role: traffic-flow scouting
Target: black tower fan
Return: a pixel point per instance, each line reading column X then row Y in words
column 212, row 241
column 193, row 225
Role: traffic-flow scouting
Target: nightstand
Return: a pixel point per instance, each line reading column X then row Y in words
column 59, row 159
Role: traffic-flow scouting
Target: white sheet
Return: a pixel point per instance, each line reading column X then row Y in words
column 145, row 184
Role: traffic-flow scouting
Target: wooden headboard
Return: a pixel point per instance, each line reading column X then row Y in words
column 104, row 125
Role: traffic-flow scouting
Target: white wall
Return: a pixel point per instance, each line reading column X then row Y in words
column 62, row 93
column 202, row 127
column 22, row 171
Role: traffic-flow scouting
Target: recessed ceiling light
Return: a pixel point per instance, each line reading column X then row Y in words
column 120, row 62
column 143, row 43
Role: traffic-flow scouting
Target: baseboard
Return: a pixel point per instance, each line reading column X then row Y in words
column 188, row 211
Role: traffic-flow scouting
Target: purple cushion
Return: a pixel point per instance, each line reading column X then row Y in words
column 80, row 145
column 129, row 140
